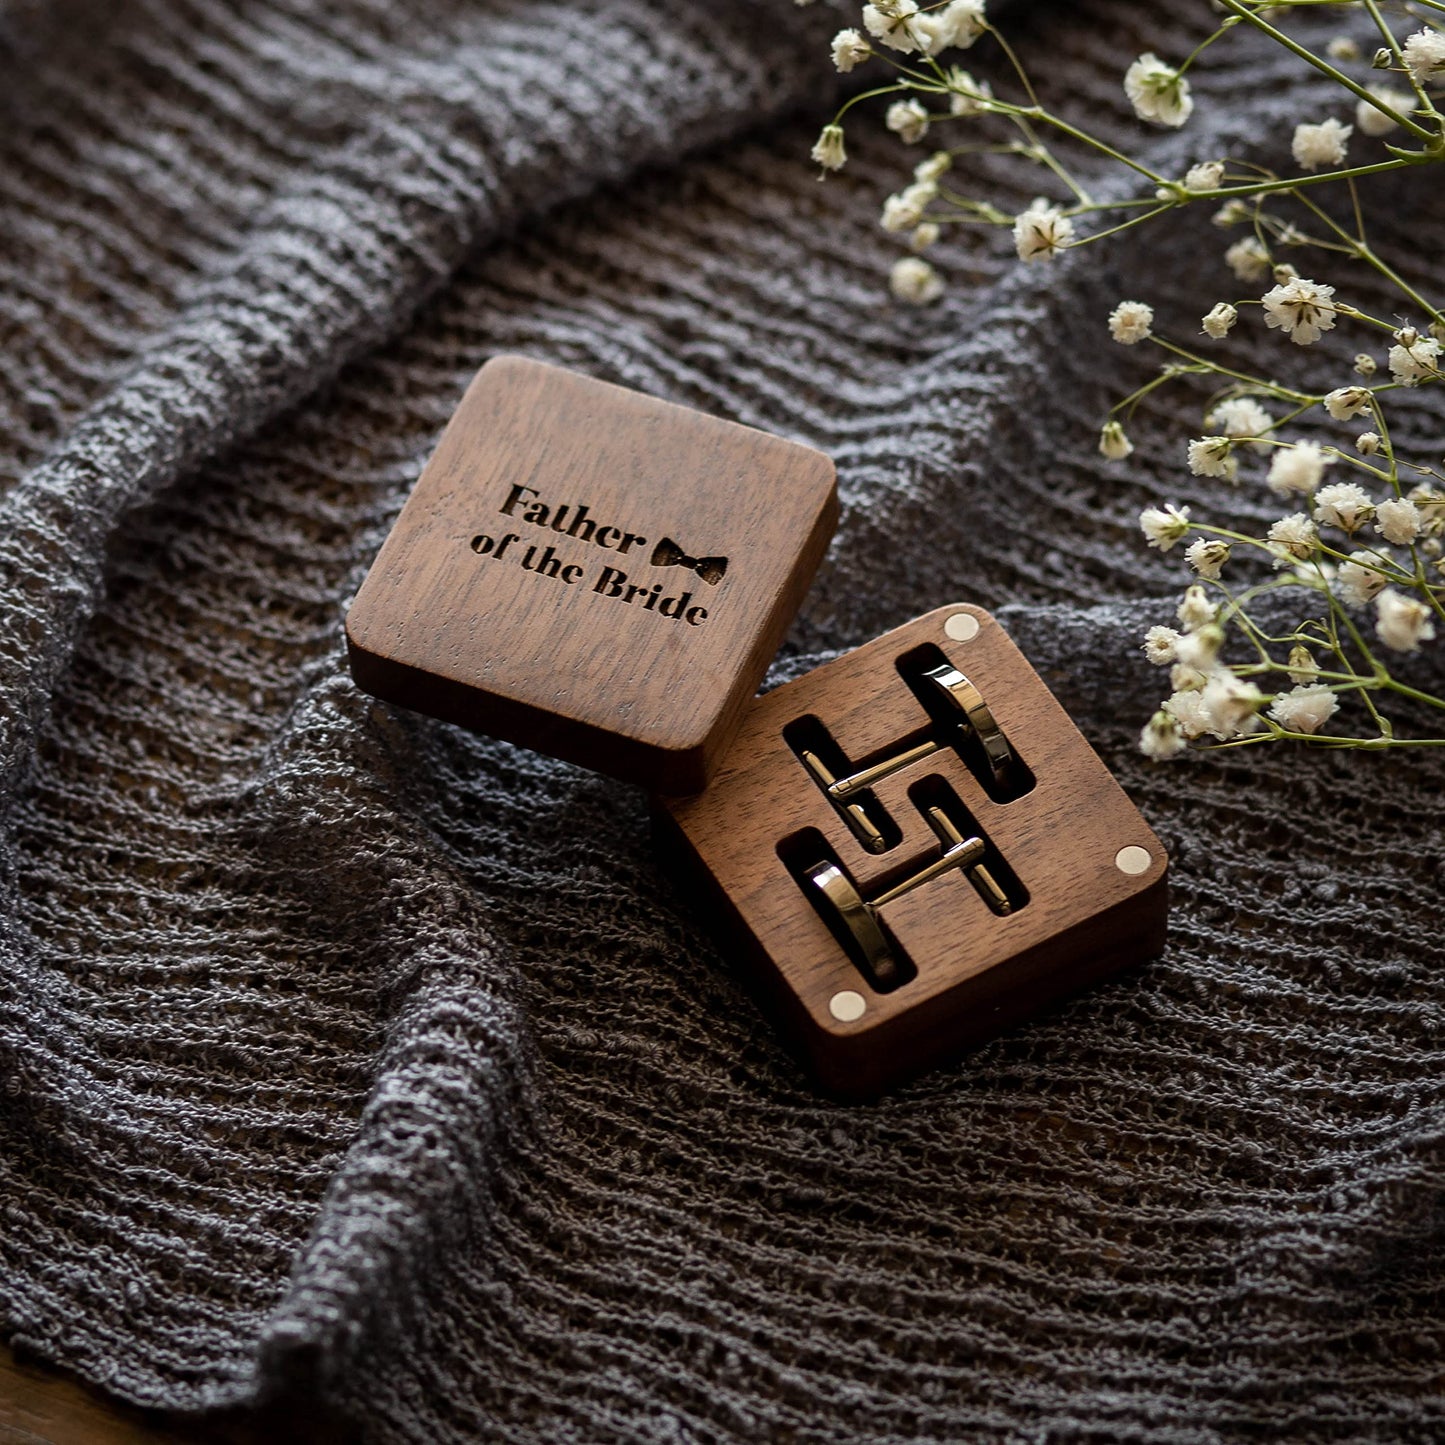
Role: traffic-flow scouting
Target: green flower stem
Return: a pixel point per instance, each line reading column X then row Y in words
column 1276, row 185
column 1047, row 158
column 1348, row 682
column 866, row 95
column 1392, row 45
column 1135, row 397
column 1013, row 60
column 1363, row 252
column 1122, row 226
column 1386, row 445
column 1335, row 74
column 1039, row 113
column 1413, row 693
column 1277, row 733
column 1338, row 610
column 1183, row 67
column 1382, row 569
column 1268, row 388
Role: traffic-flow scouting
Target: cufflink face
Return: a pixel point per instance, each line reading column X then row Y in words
column 916, row 848
column 593, row 573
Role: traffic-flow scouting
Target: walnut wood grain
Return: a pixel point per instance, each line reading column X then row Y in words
column 452, row 622
column 977, row 973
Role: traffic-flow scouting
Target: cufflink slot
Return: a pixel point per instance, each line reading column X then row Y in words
column 823, row 760
column 949, row 816
column 963, row 720
column 855, row 923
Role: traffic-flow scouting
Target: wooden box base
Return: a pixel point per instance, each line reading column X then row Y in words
column 1080, row 878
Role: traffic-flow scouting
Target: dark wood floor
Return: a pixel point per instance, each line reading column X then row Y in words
column 41, row 1406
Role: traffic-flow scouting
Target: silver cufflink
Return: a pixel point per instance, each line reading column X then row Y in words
column 963, row 720
column 856, row 920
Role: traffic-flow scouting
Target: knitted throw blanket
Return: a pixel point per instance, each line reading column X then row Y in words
column 348, row 1053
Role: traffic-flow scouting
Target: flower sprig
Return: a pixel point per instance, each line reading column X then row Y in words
column 1357, row 554
column 930, row 98
column 1360, row 562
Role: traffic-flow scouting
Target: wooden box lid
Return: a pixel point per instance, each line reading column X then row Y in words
column 593, row 573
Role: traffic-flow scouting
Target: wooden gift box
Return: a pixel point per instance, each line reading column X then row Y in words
column 912, row 845
column 1079, row 879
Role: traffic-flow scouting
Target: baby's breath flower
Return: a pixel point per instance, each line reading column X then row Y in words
column 1183, row 677
column 924, row 236
column 1239, row 418
column 932, row 169
column 967, row 96
column 1424, row 56
column 1367, row 443
column 902, row 212
column 1198, row 650
column 1219, row 320
column 1295, row 539
column 1195, row 611
column 1157, row 91
column 1230, row 706
column 829, row 151
column 1381, row 59
column 1159, row 645
column 957, row 25
column 1402, row 623
column 891, row 22
column 1431, row 506
column 1186, row 707
column 907, row 119
column 1231, row 213
column 1344, row 505
column 1041, row 232
column 1371, row 119
column 1301, row 308
column 1210, row 457
column 1129, row 322
column 1343, row 48
column 913, row 280
column 1360, row 579
column 1113, row 443
column 850, row 49
column 1248, row 258
column 1319, row 145
column 1282, row 271
column 1207, row 555
column 1161, row 738
column 1302, row 666
column 1414, row 358
column 1365, row 364
column 1206, row 176
column 1398, row 521
column 1305, row 709
column 1297, row 469
column 1164, row 526
column 1347, row 401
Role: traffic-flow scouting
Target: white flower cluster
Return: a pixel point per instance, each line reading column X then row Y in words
column 902, row 26
column 1212, row 699
column 1207, row 698
column 1041, row 232
column 1364, row 549
column 1158, row 92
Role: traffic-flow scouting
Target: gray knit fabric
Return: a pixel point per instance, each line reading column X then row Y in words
column 348, row 1054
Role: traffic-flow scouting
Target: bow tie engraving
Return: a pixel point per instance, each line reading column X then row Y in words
column 668, row 554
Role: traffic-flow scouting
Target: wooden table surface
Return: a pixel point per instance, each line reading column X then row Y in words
column 41, row 1406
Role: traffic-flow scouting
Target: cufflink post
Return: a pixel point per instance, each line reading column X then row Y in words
column 968, row 719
